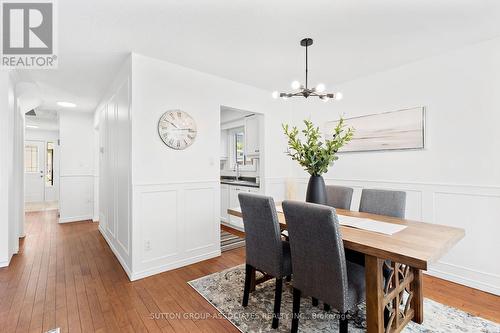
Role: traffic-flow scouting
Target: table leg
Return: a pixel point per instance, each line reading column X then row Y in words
column 417, row 302
column 374, row 294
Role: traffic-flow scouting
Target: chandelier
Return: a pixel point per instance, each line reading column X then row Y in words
column 304, row 90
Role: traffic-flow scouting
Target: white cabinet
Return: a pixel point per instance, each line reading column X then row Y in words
column 224, row 202
column 234, row 221
column 252, row 134
column 223, row 145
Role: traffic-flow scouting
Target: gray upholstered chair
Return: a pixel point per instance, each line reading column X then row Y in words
column 339, row 196
column 265, row 250
column 320, row 269
column 380, row 202
column 383, row 202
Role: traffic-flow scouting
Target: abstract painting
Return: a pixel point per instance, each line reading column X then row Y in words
column 402, row 129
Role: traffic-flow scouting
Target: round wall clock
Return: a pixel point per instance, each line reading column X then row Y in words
column 177, row 129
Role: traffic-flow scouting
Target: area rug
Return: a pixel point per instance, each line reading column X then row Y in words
column 224, row 291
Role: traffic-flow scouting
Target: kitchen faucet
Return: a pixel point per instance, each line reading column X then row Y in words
column 237, row 169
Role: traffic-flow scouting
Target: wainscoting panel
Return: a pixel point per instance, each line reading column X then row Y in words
column 159, row 224
column 476, row 209
column 199, row 203
column 175, row 224
column 77, row 192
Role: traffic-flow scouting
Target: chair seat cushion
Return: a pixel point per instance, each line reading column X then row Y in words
column 355, row 284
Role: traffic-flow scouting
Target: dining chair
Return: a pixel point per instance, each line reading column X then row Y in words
column 339, row 196
column 383, row 202
column 320, row 269
column 265, row 249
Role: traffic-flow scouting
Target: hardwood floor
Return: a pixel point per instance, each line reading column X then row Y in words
column 66, row 276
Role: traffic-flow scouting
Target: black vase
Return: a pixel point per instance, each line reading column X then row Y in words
column 316, row 190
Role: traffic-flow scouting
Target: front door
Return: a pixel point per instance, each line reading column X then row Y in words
column 34, row 171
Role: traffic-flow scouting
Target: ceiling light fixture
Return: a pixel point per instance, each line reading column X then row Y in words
column 305, row 91
column 66, row 104
column 31, row 126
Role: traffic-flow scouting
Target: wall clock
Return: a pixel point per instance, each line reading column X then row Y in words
column 177, row 129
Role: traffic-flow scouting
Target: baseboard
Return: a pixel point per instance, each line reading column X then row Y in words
column 75, row 218
column 174, row 265
column 122, row 262
column 467, row 277
column 6, row 263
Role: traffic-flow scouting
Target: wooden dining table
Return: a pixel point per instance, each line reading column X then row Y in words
column 391, row 306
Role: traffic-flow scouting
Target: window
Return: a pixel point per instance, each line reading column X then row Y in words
column 30, row 158
column 49, row 176
column 239, row 140
column 236, row 153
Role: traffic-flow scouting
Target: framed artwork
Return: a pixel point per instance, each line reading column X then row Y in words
column 395, row 130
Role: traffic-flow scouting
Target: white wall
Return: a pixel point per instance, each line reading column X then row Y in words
column 8, row 204
column 51, row 192
column 113, row 122
column 176, row 193
column 456, row 180
column 76, row 135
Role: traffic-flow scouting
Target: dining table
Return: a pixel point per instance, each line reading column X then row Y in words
column 392, row 304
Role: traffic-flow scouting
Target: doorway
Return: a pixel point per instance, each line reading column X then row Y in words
column 41, row 161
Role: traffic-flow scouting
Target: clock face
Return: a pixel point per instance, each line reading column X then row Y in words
column 177, row 129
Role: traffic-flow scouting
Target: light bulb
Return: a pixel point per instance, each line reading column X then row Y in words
column 295, row 84
column 275, row 94
column 284, row 97
column 325, row 99
column 320, row 88
column 338, row 96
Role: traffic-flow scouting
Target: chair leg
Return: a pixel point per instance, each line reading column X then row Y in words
column 326, row 307
column 249, row 272
column 296, row 310
column 343, row 324
column 315, row 301
column 277, row 302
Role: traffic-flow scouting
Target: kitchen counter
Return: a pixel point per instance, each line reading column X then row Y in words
column 249, row 182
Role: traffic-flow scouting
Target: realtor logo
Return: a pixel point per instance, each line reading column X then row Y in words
column 28, row 35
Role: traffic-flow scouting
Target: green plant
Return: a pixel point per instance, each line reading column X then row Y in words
column 314, row 155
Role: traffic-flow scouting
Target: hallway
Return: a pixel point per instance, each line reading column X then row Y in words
column 66, row 276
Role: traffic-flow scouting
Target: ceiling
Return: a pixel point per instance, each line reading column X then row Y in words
column 255, row 42
column 47, row 120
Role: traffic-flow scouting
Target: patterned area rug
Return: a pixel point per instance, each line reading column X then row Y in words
column 225, row 290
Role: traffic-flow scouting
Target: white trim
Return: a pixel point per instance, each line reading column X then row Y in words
column 187, row 182
column 122, row 262
column 400, row 182
column 80, row 218
column 451, row 272
column 6, row 263
column 174, row 265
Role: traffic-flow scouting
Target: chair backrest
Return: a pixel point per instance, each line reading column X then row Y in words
column 264, row 249
column 339, row 196
column 383, row 202
column 318, row 258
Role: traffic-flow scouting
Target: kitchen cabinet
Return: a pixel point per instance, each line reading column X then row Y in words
column 224, row 202
column 233, row 202
column 252, row 135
